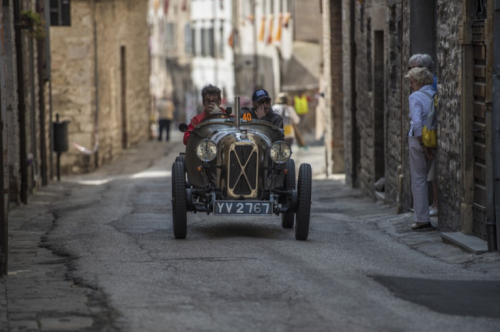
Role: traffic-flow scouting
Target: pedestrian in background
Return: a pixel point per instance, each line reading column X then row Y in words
column 425, row 61
column 290, row 117
column 420, row 80
column 165, row 109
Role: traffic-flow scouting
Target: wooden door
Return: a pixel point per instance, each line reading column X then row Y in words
column 479, row 128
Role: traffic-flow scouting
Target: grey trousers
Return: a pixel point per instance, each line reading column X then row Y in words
column 419, row 168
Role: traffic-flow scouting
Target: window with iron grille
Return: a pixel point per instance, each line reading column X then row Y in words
column 60, row 12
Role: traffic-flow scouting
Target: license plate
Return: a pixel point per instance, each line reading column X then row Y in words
column 242, row 207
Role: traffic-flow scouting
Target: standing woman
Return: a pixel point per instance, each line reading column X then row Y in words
column 420, row 79
column 288, row 114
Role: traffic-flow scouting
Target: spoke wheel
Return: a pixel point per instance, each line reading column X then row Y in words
column 179, row 200
column 288, row 218
column 303, row 203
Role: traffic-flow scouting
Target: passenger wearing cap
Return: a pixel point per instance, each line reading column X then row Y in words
column 262, row 109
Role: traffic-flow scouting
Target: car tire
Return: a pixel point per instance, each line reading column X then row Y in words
column 288, row 218
column 179, row 200
column 181, row 159
column 303, row 202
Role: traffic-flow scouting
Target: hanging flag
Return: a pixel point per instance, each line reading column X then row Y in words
column 165, row 7
column 270, row 35
column 156, row 4
column 278, row 32
column 262, row 28
column 286, row 19
column 230, row 40
column 221, row 4
column 184, row 5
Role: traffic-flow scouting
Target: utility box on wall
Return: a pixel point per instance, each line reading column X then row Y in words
column 60, row 131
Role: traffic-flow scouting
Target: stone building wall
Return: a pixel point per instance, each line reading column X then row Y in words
column 332, row 74
column 121, row 26
column 9, row 92
column 397, row 43
column 394, row 116
column 31, row 100
column 364, row 94
column 349, row 145
column 73, row 91
column 449, row 65
column 405, row 92
column 384, row 18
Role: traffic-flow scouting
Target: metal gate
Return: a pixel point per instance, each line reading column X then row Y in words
column 478, row 29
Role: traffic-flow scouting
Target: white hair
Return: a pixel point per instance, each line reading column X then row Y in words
column 421, row 60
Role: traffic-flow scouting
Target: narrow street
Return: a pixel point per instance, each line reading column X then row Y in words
column 119, row 268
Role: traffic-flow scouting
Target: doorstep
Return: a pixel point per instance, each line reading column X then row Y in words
column 468, row 242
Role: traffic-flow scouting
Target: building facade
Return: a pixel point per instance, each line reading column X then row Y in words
column 171, row 51
column 378, row 37
column 212, row 62
column 100, row 80
column 277, row 46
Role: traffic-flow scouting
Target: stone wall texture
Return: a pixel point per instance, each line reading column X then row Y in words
column 393, row 86
column 392, row 17
column 120, row 118
column 449, row 66
column 9, row 92
column 333, row 93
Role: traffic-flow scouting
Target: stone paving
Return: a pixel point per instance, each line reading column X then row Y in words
column 39, row 294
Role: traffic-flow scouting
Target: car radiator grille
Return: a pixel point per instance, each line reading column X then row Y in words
column 243, row 170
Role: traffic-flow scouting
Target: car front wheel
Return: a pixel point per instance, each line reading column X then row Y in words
column 179, row 200
column 303, row 214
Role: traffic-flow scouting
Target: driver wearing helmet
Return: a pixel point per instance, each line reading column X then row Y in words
column 211, row 96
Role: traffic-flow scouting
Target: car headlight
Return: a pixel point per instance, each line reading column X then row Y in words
column 280, row 152
column 206, row 150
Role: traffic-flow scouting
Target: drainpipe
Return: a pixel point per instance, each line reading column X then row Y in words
column 96, row 86
column 48, row 77
column 495, row 130
column 4, row 226
column 255, row 55
column 354, row 139
column 41, row 98
column 22, row 106
column 34, row 165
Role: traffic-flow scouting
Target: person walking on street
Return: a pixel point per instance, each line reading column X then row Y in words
column 165, row 109
column 290, row 117
column 420, row 80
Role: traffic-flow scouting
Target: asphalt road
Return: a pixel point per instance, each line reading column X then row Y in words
column 249, row 274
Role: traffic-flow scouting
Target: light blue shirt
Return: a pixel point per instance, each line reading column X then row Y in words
column 420, row 104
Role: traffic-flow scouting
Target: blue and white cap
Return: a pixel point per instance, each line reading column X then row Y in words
column 259, row 95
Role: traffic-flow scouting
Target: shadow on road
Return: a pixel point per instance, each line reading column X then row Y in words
column 452, row 297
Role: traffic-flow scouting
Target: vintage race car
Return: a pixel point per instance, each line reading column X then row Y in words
column 234, row 166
